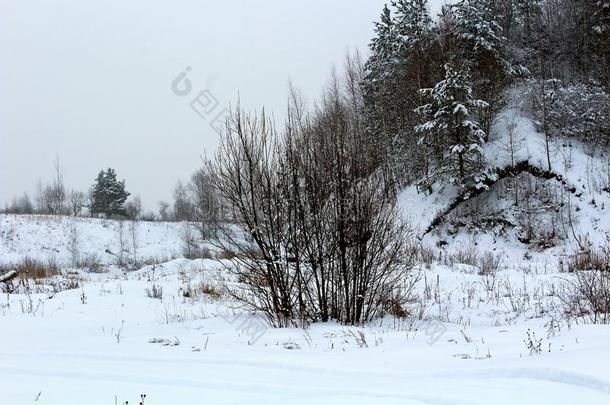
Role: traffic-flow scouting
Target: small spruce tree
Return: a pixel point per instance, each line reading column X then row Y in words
column 108, row 194
column 451, row 129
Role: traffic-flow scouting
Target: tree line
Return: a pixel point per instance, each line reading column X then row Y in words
column 434, row 87
column 108, row 197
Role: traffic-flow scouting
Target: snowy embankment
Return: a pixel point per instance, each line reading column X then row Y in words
column 48, row 238
column 513, row 139
column 478, row 339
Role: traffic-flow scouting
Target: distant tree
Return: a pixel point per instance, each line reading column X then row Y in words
column 77, row 201
column 183, row 206
column 21, row 205
column 133, row 208
column 108, row 194
column 206, row 200
column 148, row 216
column 164, row 211
column 39, row 198
column 51, row 198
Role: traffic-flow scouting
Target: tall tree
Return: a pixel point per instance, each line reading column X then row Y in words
column 398, row 67
column 450, row 122
column 381, row 79
column 108, row 194
column 479, row 39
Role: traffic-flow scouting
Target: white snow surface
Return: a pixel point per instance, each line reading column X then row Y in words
column 108, row 341
column 48, row 238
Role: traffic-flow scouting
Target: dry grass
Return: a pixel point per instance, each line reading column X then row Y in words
column 156, row 292
column 201, row 288
column 32, row 269
column 589, row 259
column 226, row 255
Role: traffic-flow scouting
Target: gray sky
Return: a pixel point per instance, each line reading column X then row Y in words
column 90, row 81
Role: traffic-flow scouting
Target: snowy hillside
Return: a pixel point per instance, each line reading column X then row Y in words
column 583, row 190
column 53, row 238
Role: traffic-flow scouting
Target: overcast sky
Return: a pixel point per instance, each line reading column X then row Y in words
column 91, row 81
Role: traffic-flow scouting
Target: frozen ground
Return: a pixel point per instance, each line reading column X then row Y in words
column 108, row 341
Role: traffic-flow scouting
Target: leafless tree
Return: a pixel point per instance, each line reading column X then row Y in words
column 316, row 235
column 164, row 211
column 56, row 191
column 513, row 144
column 133, row 208
column 206, row 201
column 77, row 201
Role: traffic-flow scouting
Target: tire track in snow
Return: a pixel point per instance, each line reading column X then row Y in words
column 225, row 385
column 553, row 375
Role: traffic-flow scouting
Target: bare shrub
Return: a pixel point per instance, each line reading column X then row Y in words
column 73, row 245
column 532, row 343
column 225, row 254
column 191, row 248
column 588, row 296
column 489, row 263
column 92, row 264
column 201, row 288
column 468, row 255
column 318, row 235
column 589, row 258
column 155, row 291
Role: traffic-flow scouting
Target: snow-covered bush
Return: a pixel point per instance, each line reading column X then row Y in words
column 588, row 296
column 577, row 111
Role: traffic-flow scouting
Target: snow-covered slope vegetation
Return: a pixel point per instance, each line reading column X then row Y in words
column 68, row 241
column 557, row 211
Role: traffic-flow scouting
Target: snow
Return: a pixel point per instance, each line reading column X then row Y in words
column 465, row 344
column 47, row 238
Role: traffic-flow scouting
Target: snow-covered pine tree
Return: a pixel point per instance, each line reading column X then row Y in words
column 479, row 39
column 379, row 82
column 414, row 29
column 398, row 66
column 413, row 26
column 527, row 14
column 451, row 126
column 108, row 194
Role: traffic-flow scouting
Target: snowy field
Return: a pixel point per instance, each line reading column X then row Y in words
column 110, row 340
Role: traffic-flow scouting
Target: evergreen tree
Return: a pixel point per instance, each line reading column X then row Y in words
column 414, row 28
column 381, row 78
column 479, row 39
column 108, row 194
column 451, row 125
column 399, row 65
column 527, row 15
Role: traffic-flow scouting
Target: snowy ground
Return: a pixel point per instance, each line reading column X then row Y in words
column 108, row 342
